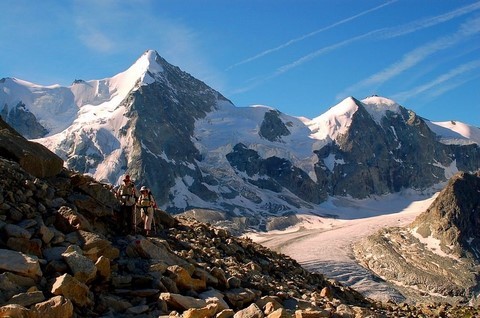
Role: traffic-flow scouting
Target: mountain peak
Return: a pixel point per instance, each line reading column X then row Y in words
column 377, row 106
column 146, row 67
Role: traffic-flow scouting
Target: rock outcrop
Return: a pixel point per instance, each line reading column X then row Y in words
column 437, row 256
column 33, row 157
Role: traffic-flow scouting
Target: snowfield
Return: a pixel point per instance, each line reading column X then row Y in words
column 323, row 243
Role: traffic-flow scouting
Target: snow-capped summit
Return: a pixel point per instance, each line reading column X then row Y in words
column 377, row 106
column 145, row 69
column 338, row 118
column 334, row 121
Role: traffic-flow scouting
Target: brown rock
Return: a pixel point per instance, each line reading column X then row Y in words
column 55, row 307
column 15, row 311
column 103, row 268
column 26, row 246
column 251, row 311
column 205, row 312
column 67, row 220
column 326, row 293
column 226, row 313
column 312, row 313
column 184, row 281
column 180, row 302
column 279, row 313
column 69, row 287
column 20, row 263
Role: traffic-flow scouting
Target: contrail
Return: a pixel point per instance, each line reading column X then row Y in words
column 303, row 37
column 383, row 33
column 466, row 30
column 437, row 82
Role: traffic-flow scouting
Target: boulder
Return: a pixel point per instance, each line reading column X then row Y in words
column 239, row 297
column 26, row 246
column 154, row 249
column 27, row 299
column 71, row 288
column 205, row 312
column 15, row 311
column 103, row 268
column 181, row 302
column 82, row 267
column 12, row 230
column 95, row 245
column 184, row 281
column 251, row 311
column 67, row 220
column 55, row 307
column 19, row 263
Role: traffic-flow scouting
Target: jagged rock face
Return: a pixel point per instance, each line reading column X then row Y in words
column 280, row 172
column 401, row 152
column 454, row 217
column 24, row 121
column 162, row 117
column 272, row 127
column 438, row 254
column 33, row 157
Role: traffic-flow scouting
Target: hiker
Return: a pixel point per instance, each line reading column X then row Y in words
column 127, row 195
column 146, row 202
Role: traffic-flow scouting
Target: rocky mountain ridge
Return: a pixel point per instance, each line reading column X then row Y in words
column 254, row 165
column 61, row 256
column 435, row 257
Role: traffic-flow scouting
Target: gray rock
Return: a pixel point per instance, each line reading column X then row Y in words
column 20, row 264
column 82, row 267
column 27, row 299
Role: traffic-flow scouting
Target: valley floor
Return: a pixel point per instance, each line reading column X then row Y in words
column 323, row 244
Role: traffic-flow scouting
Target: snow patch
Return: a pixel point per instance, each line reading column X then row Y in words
column 331, row 161
column 455, row 132
column 432, row 244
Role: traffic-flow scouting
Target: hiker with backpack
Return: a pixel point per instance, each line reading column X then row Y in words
column 146, row 203
column 127, row 195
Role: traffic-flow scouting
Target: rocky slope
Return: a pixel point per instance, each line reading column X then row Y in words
column 60, row 256
column 195, row 149
column 437, row 256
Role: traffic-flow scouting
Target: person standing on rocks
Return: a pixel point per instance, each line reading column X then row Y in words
column 127, row 195
column 146, row 202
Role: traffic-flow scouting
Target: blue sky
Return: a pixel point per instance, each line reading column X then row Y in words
column 299, row 56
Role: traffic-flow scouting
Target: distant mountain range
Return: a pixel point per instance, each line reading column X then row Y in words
column 196, row 150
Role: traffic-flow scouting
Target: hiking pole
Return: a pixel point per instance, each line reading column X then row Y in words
column 154, row 223
column 135, row 220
